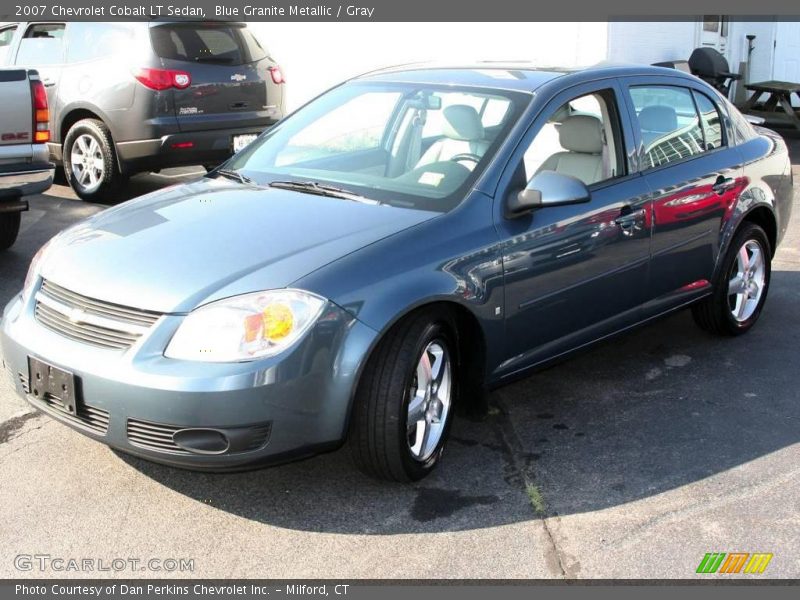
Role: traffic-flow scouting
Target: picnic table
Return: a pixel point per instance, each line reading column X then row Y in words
column 779, row 94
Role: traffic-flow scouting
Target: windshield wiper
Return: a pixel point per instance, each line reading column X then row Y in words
column 319, row 189
column 235, row 175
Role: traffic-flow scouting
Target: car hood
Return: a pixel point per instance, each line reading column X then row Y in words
column 180, row 247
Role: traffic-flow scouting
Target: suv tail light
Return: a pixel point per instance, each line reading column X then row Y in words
column 162, row 79
column 277, row 75
column 41, row 113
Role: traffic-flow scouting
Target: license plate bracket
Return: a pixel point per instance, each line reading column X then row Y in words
column 49, row 381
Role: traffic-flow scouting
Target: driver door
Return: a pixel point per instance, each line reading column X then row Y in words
column 576, row 272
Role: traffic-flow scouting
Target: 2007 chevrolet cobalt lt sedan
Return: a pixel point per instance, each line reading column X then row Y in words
column 391, row 251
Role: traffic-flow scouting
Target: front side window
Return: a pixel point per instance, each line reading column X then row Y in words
column 42, row 45
column 414, row 145
column 669, row 124
column 581, row 139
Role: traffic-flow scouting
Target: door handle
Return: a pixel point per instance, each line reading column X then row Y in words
column 47, row 82
column 723, row 184
column 628, row 216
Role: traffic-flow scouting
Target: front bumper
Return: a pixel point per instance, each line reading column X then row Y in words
column 135, row 400
column 173, row 150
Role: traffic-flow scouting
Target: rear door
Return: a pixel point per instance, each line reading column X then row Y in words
column 695, row 176
column 231, row 81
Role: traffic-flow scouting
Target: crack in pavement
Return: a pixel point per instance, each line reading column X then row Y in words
column 514, row 452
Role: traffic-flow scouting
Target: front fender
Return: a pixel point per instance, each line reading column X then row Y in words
column 452, row 258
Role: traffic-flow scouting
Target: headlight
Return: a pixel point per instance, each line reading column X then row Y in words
column 245, row 327
column 33, row 272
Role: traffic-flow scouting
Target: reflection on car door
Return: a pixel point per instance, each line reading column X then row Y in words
column 695, row 177
column 574, row 273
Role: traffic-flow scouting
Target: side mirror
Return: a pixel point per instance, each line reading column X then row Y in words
column 548, row 188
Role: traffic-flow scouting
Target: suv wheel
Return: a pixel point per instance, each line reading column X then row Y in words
column 404, row 402
column 90, row 163
column 9, row 228
column 739, row 295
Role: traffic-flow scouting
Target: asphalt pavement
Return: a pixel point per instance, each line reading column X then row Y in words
column 632, row 460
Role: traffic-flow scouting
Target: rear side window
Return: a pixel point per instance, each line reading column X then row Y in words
column 90, row 41
column 711, row 121
column 669, row 124
column 42, row 45
column 206, row 43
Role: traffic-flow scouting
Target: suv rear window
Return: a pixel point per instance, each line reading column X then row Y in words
column 207, row 43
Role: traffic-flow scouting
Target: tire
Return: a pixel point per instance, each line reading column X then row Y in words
column 90, row 138
column 380, row 434
column 716, row 312
column 9, row 229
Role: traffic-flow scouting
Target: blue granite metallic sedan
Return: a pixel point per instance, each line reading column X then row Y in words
column 389, row 253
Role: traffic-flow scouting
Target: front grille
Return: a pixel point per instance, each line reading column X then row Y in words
column 91, row 417
column 91, row 321
column 158, row 437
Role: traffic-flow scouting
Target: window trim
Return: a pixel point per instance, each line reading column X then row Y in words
column 722, row 129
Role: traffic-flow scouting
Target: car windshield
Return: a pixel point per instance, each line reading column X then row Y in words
column 411, row 145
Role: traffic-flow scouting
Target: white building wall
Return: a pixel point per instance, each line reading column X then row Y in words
column 649, row 42
column 316, row 56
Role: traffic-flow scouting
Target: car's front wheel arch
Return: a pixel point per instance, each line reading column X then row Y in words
column 461, row 337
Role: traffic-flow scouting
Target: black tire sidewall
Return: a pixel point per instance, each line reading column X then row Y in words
column 9, row 229
column 441, row 331
column 750, row 232
column 99, row 132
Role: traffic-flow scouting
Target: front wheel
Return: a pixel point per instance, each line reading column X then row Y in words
column 739, row 295
column 404, row 402
column 90, row 163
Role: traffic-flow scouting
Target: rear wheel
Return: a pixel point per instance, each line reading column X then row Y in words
column 404, row 403
column 739, row 294
column 90, row 163
column 9, row 229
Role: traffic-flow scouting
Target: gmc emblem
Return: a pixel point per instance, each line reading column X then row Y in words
column 15, row 137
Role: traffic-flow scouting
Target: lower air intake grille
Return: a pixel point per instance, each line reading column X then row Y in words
column 158, row 437
column 154, row 436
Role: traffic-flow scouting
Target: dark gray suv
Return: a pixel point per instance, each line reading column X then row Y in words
column 133, row 97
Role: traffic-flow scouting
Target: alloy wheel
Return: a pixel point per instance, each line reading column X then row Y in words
column 87, row 162
column 746, row 283
column 430, row 401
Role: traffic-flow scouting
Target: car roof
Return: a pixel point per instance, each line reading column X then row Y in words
column 510, row 75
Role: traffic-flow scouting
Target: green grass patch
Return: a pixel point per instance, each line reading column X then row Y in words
column 535, row 496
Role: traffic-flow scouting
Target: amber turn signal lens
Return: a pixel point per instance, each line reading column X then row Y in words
column 278, row 321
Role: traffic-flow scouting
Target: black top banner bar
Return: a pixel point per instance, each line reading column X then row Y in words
column 390, row 10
